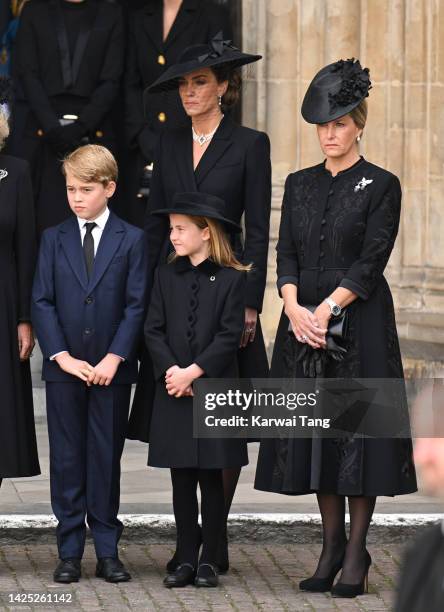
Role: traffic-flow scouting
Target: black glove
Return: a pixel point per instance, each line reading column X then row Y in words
column 66, row 138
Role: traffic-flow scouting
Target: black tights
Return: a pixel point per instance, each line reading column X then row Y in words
column 186, row 512
column 335, row 544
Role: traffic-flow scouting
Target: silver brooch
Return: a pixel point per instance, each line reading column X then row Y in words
column 3, row 174
column 363, row 184
column 212, row 278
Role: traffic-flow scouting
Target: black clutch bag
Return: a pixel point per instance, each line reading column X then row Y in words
column 314, row 360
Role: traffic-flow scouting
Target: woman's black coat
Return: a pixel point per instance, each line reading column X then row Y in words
column 236, row 167
column 56, row 84
column 338, row 231
column 195, row 316
column 18, row 448
column 197, row 22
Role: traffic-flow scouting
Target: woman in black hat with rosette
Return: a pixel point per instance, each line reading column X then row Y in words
column 339, row 223
column 193, row 327
column 215, row 156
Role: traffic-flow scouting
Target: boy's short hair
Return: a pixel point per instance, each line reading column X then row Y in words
column 91, row 164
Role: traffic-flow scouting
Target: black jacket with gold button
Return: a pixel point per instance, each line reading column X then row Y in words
column 149, row 56
column 196, row 315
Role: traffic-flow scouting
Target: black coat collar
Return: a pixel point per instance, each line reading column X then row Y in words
column 183, row 264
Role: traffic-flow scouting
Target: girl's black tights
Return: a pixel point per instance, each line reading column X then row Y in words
column 186, row 512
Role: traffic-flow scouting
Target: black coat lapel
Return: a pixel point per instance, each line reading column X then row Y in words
column 71, row 242
column 82, row 39
column 184, row 19
column 62, row 39
column 217, row 147
column 152, row 20
column 184, row 159
column 112, row 236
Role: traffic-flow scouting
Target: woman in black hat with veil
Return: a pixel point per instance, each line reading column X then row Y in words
column 339, row 222
column 218, row 157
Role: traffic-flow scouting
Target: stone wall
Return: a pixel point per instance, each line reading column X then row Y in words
column 402, row 42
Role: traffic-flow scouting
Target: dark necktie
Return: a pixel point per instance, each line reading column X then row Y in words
column 88, row 247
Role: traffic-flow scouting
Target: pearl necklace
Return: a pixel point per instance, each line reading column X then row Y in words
column 203, row 138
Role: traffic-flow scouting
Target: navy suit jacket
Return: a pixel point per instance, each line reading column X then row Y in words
column 90, row 318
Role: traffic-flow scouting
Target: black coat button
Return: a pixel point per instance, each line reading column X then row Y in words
column 192, row 303
column 88, row 331
column 322, row 237
column 321, row 269
column 331, row 192
column 89, row 300
column 194, row 286
column 321, row 254
column 323, row 222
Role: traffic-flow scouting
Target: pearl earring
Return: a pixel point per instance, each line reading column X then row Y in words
column 358, row 139
column 219, row 99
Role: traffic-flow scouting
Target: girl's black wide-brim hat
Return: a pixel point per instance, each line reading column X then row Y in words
column 198, row 204
column 217, row 52
column 335, row 91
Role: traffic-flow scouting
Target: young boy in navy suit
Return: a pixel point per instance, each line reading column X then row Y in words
column 88, row 310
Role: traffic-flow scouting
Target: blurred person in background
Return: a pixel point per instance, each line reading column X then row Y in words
column 421, row 584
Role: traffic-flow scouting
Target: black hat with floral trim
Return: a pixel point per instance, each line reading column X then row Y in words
column 335, row 91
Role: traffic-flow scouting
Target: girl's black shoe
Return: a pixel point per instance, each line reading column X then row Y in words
column 181, row 577
column 321, row 585
column 341, row 589
column 207, row 575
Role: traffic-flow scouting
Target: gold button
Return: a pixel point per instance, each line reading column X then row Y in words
column 99, row 134
column 162, row 117
column 39, row 132
column 161, row 60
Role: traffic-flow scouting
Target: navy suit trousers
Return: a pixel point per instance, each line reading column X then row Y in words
column 86, row 427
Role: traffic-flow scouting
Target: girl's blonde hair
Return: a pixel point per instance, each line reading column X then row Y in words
column 221, row 251
column 4, row 129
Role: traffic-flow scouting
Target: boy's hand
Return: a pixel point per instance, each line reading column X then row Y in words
column 178, row 381
column 104, row 372
column 25, row 340
column 76, row 367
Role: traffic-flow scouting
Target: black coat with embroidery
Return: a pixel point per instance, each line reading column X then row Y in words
column 196, row 315
column 340, row 231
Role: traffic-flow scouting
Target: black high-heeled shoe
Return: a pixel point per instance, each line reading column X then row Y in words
column 173, row 563
column 342, row 589
column 321, row 585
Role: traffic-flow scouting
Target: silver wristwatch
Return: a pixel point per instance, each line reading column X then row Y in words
column 335, row 309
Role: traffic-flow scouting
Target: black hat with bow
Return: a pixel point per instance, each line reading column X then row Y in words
column 335, row 91
column 217, row 52
column 197, row 204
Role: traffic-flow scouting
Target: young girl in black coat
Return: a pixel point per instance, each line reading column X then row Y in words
column 193, row 329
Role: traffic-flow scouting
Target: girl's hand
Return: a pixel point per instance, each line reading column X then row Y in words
column 307, row 327
column 178, row 381
column 25, row 340
column 250, row 327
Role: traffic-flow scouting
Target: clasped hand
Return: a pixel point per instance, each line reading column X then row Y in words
column 310, row 327
column 101, row 374
column 178, row 381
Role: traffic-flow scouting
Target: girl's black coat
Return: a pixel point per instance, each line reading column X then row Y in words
column 196, row 315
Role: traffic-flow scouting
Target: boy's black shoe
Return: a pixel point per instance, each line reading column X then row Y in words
column 68, row 570
column 112, row 570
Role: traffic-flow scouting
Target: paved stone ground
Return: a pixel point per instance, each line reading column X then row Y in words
column 261, row 578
